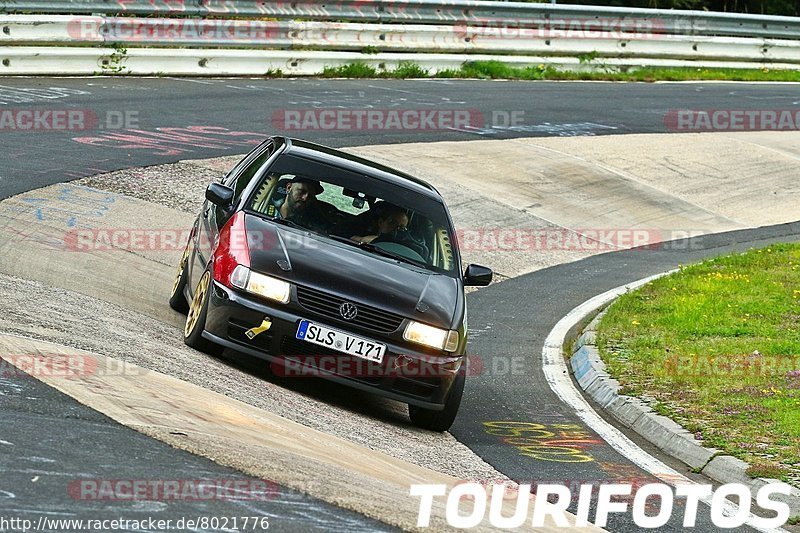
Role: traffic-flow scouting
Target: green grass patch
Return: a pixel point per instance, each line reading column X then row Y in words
column 408, row 69
column 718, row 347
column 499, row 70
column 766, row 470
column 351, row 70
column 405, row 69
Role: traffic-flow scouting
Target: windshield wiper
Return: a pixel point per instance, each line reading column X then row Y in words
column 345, row 240
column 386, row 253
column 287, row 222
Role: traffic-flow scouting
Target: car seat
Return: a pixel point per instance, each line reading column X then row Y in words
column 420, row 228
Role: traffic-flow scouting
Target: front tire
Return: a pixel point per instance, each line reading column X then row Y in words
column 196, row 318
column 177, row 300
column 441, row 420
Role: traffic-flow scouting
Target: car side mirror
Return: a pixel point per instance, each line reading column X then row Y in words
column 477, row 276
column 220, row 195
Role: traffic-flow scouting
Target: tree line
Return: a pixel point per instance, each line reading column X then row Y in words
column 756, row 7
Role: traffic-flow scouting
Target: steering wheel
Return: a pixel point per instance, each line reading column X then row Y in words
column 400, row 249
column 402, row 239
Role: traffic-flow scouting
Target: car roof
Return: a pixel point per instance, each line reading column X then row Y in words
column 353, row 163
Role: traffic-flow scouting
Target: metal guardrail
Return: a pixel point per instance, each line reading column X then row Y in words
column 79, row 30
column 82, row 61
column 472, row 12
column 301, row 37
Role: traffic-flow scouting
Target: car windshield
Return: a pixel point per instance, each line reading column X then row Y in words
column 365, row 212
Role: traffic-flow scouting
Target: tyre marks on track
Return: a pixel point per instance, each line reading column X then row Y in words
column 170, row 141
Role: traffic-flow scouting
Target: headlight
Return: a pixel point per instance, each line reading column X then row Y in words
column 438, row 338
column 264, row 286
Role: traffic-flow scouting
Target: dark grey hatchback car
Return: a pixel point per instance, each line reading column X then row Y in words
column 329, row 265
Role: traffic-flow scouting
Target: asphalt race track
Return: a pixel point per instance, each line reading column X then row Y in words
column 107, row 141
column 151, row 123
column 79, row 444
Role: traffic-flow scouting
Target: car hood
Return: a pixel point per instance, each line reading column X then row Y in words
column 359, row 276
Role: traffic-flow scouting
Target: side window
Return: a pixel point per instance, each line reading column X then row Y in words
column 239, row 181
column 265, row 195
column 231, row 176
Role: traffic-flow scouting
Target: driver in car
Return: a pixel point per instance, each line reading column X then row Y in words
column 388, row 218
column 390, row 224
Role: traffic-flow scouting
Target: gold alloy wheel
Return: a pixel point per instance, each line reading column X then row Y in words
column 181, row 267
column 197, row 304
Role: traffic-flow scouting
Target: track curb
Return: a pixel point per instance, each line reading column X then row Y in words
column 589, row 371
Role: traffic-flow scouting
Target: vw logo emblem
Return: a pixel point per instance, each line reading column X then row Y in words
column 348, row 311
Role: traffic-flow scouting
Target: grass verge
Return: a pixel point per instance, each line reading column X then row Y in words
column 716, row 347
column 499, row 70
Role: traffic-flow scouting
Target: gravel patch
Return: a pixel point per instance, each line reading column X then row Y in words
column 221, row 165
column 71, row 319
column 179, row 186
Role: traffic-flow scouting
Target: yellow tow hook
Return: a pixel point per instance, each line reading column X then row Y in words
column 252, row 332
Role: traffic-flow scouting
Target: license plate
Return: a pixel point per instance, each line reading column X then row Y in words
column 341, row 341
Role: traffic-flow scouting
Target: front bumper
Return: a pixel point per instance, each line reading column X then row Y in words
column 406, row 374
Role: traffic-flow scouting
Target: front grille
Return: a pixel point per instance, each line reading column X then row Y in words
column 327, row 305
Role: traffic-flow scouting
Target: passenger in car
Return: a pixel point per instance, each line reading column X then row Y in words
column 300, row 203
column 300, row 193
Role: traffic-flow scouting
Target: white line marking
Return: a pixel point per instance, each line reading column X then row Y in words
column 189, row 80
column 557, row 375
